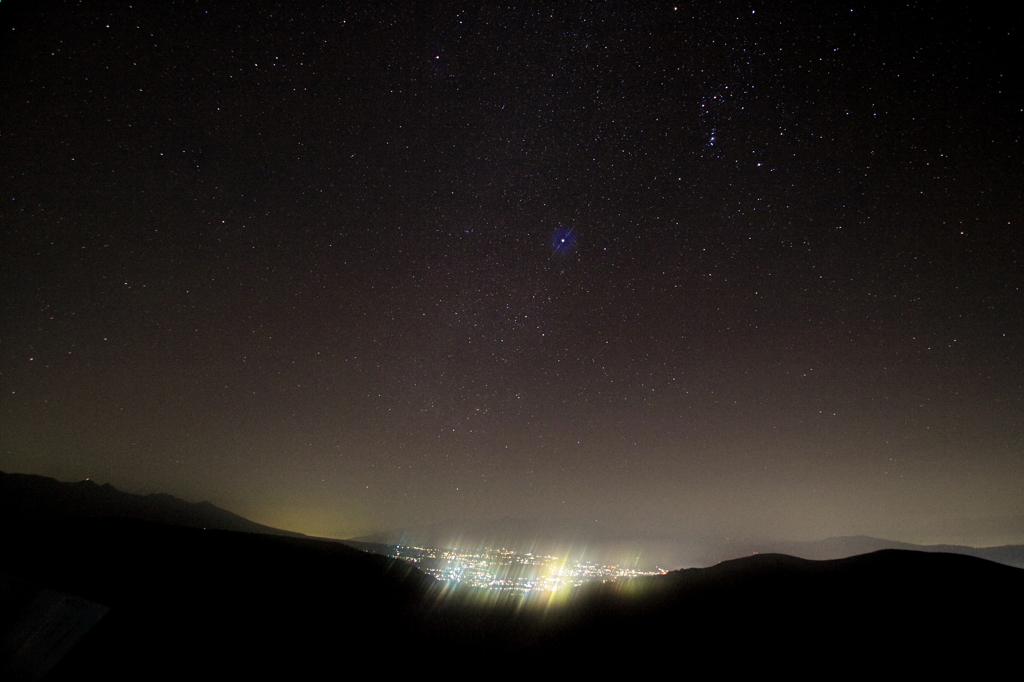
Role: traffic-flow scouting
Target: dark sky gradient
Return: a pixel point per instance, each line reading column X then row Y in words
column 306, row 263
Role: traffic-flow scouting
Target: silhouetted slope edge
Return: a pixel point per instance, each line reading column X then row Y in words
column 184, row 600
column 896, row 607
column 28, row 497
column 225, row 603
column 198, row 604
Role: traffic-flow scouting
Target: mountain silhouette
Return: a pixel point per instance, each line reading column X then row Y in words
column 840, row 547
column 30, row 497
column 567, row 538
column 201, row 604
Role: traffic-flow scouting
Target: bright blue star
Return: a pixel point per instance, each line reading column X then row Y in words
column 563, row 241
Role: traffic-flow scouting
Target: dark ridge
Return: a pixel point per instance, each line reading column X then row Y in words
column 187, row 603
column 904, row 610
column 25, row 497
column 237, row 604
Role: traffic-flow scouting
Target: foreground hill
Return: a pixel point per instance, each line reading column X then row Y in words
column 184, row 599
column 188, row 603
column 900, row 607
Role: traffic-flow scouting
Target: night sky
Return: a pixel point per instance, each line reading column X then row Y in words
column 745, row 269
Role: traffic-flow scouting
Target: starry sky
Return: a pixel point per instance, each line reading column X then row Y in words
column 747, row 269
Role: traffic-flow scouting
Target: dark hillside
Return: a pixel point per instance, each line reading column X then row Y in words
column 907, row 608
column 188, row 603
column 183, row 599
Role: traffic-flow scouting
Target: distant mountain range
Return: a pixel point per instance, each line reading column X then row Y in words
column 29, row 497
column 567, row 538
column 189, row 603
column 841, row 547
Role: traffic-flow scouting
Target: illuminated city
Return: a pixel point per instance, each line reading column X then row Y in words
column 502, row 569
